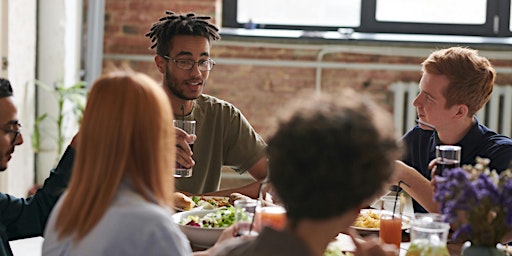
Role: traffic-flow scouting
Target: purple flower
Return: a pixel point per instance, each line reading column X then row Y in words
column 486, row 189
column 506, row 200
column 479, row 209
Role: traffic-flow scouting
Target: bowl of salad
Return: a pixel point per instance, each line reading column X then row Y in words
column 203, row 227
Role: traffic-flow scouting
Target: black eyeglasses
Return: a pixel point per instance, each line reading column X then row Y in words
column 187, row 64
column 15, row 129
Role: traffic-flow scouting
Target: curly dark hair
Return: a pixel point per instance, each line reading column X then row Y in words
column 5, row 88
column 331, row 154
column 166, row 28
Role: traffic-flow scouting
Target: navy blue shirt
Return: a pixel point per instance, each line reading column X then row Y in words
column 479, row 141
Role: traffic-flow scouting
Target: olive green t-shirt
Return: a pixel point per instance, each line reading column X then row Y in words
column 224, row 138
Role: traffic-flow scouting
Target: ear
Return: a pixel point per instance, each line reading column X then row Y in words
column 462, row 111
column 161, row 63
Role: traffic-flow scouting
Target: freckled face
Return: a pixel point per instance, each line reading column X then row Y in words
column 430, row 102
column 187, row 84
column 8, row 115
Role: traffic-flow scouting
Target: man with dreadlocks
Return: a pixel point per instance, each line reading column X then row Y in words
column 224, row 136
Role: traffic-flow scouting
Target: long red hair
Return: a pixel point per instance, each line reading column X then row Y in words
column 127, row 131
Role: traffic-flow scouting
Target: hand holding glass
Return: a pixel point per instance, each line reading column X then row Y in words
column 448, row 157
column 188, row 126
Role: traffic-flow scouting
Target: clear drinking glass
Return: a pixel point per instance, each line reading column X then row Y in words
column 245, row 211
column 390, row 203
column 428, row 237
column 188, row 126
column 448, row 157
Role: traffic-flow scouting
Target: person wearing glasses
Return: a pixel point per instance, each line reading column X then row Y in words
column 224, row 137
column 25, row 217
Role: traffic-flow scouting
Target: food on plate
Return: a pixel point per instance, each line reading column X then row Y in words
column 222, row 218
column 182, row 201
column 210, row 202
column 185, row 203
column 367, row 219
column 236, row 196
column 334, row 251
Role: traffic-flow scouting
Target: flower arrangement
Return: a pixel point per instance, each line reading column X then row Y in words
column 476, row 202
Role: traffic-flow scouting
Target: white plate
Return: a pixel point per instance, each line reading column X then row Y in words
column 405, row 221
column 199, row 237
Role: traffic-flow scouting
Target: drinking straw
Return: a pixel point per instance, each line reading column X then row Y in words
column 259, row 198
column 396, row 197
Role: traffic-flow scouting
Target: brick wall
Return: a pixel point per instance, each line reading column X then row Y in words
column 260, row 90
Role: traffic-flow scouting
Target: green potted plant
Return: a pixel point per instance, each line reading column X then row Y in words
column 75, row 97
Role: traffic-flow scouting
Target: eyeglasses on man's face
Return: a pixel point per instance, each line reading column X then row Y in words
column 14, row 128
column 188, row 64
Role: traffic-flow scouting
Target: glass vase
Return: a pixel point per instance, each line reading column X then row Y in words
column 475, row 250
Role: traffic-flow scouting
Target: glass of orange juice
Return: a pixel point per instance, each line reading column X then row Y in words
column 271, row 216
column 270, row 213
column 390, row 228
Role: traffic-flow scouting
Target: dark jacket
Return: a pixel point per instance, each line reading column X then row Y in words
column 479, row 141
column 26, row 217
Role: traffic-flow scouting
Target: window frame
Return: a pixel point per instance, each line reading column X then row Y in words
column 229, row 13
column 369, row 24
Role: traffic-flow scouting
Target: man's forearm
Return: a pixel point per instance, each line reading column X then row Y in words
column 419, row 187
column 250, row 190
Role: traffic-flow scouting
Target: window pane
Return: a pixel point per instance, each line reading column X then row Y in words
column 432, row 11
column 510, row 15
column 335, row 13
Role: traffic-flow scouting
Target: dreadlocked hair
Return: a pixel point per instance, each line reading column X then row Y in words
column 163, row 31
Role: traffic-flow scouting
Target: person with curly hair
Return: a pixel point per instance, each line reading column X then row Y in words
column 329, row 157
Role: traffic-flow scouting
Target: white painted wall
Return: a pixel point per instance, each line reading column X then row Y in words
column 3, row 37
column 49, row 32
column 59, row 38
